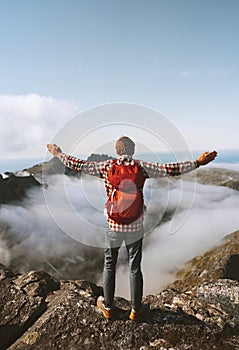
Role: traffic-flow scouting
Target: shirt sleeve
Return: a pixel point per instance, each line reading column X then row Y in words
column 90, row 168
column 154, row 170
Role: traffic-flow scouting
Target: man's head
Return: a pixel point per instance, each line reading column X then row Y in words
column 124, row 145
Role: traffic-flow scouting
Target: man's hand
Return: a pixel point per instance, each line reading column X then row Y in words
column 54, row 149
column 206, row 158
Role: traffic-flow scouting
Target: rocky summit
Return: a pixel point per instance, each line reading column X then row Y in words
column 41, row 312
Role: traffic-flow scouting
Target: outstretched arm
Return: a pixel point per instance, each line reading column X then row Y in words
column 90, row 168
column 69, row 161
column 174, row 169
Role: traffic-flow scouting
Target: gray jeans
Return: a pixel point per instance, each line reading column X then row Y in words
column 133, row 242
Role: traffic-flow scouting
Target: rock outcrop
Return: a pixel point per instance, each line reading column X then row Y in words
column 14, row 188
column 51, row 167
column 215, row 176
column 41, row 312
column 22, row 302
column 94, row 157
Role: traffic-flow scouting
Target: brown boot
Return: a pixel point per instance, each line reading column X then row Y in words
column 107, row 312
column 137, row 315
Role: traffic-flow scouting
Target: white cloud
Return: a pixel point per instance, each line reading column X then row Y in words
column 188, row 74
column 183, row 73
column 197, row 73
column 219, row 72
column 28, row 122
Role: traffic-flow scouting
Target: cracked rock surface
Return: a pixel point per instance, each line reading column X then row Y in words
column 39, row 312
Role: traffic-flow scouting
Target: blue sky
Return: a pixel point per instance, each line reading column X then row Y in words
column 179, row 57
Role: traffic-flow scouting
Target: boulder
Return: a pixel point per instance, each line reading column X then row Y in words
column 22, row 302
column 210, row 303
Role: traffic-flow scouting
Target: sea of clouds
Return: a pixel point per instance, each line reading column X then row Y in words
column 183, row 219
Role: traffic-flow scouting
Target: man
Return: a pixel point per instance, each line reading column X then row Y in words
column 122, row 228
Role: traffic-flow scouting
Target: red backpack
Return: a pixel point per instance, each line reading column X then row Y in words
column 126, row 203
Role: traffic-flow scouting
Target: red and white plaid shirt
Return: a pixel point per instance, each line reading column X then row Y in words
column 101, row 169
